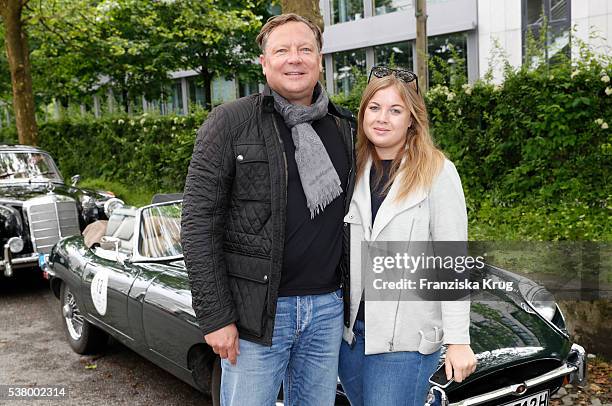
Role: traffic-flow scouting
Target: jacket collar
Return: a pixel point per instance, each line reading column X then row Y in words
column 389, row 208
column 268, row 100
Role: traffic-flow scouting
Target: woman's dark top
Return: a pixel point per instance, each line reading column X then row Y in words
column 377, row 196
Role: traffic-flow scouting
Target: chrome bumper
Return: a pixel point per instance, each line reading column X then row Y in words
column 8, row 263
column 574, row 367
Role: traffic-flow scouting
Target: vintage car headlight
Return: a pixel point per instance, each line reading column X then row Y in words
column 540, row 299
column 87, row 202
column 111, row 204
column 15, row 244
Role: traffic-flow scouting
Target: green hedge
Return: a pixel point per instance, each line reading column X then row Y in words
column 535, row 152
column 144, row 152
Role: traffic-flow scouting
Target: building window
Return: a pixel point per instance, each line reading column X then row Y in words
column 177, row 97
column 223, row 90
column 346, row 66
column 545, row 30
column 346, row 10
column 247, row 88
column 196, row 91
column 447, row 58
column 396, row 54
column 389, row 6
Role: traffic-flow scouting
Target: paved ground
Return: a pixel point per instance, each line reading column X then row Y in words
column 33, row 351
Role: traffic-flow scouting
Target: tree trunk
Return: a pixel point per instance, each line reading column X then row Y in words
column 126, row 99
column 208, row 103
column 207, row 79
column 18, row 55
column 305, row 8
column 420, row 12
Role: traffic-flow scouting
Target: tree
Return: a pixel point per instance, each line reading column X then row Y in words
column 305, row 8
column 420, row 12
column 18, row 55
column 83, row 45
column 133, row 45
column 214, row 39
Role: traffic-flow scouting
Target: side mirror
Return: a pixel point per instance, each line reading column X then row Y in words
column 74, row 180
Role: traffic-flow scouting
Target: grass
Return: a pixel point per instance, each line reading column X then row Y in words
column 132, row 195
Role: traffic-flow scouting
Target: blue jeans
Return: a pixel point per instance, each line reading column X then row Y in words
column 390, row 379
column 303, row 356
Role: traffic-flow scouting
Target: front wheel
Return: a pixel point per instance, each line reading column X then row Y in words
column 83, row 337
column 215, row 382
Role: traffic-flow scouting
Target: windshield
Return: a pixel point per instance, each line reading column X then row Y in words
column 26, row 166
column 160, row 231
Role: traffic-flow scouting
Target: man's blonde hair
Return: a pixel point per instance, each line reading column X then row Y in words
column 277, row 21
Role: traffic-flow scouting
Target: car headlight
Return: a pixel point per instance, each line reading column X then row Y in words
column 87, row 202
column 540, row 299
column 15, row 244
column 111, row 204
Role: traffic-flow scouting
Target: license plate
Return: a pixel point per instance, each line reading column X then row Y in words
column 538, row 399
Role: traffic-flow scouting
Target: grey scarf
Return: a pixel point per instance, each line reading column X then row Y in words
column 319, row 178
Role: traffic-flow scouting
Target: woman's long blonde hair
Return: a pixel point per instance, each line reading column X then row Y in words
column 423, row 160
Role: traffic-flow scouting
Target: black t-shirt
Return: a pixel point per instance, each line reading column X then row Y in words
column 313, row 247
column 377, row 197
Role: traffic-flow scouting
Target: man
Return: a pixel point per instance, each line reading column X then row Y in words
column 268, row 186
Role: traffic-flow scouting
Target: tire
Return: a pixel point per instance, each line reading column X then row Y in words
column 83, row 337
column 215, row 382
column 205, row 368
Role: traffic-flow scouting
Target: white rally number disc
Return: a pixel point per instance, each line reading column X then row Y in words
column 99, row 286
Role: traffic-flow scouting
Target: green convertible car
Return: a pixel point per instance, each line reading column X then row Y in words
column 127, row 278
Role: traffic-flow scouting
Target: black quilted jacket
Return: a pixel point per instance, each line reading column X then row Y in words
column 234, row 208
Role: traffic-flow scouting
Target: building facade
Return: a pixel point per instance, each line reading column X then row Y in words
column 362, row 33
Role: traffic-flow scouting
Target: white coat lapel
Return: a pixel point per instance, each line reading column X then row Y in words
column 360, row 211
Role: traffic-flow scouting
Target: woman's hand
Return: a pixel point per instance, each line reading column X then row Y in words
column 460, row 361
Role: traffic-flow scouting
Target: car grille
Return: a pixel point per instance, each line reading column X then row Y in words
column 51, row 217
column 506, row 377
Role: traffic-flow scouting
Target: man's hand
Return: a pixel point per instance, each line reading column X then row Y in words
column 460, row 361
column 225, row 342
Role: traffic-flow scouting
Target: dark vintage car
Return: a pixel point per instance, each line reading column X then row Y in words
column 37, row 208
column 133, row 285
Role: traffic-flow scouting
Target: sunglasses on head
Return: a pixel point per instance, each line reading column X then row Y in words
column 404, row 75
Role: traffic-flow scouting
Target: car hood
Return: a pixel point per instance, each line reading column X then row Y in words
column 25, row 191
column 503, row 333
column 20, row 192
column 505, row 336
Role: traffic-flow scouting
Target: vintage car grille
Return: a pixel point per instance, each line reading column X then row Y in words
column 51, row 217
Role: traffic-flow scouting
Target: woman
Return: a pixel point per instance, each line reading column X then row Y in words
column 406, row 190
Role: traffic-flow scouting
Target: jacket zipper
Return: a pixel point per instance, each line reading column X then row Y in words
column 398, row 302
column 347, row 255
column 282, row 145
column 284, row 155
